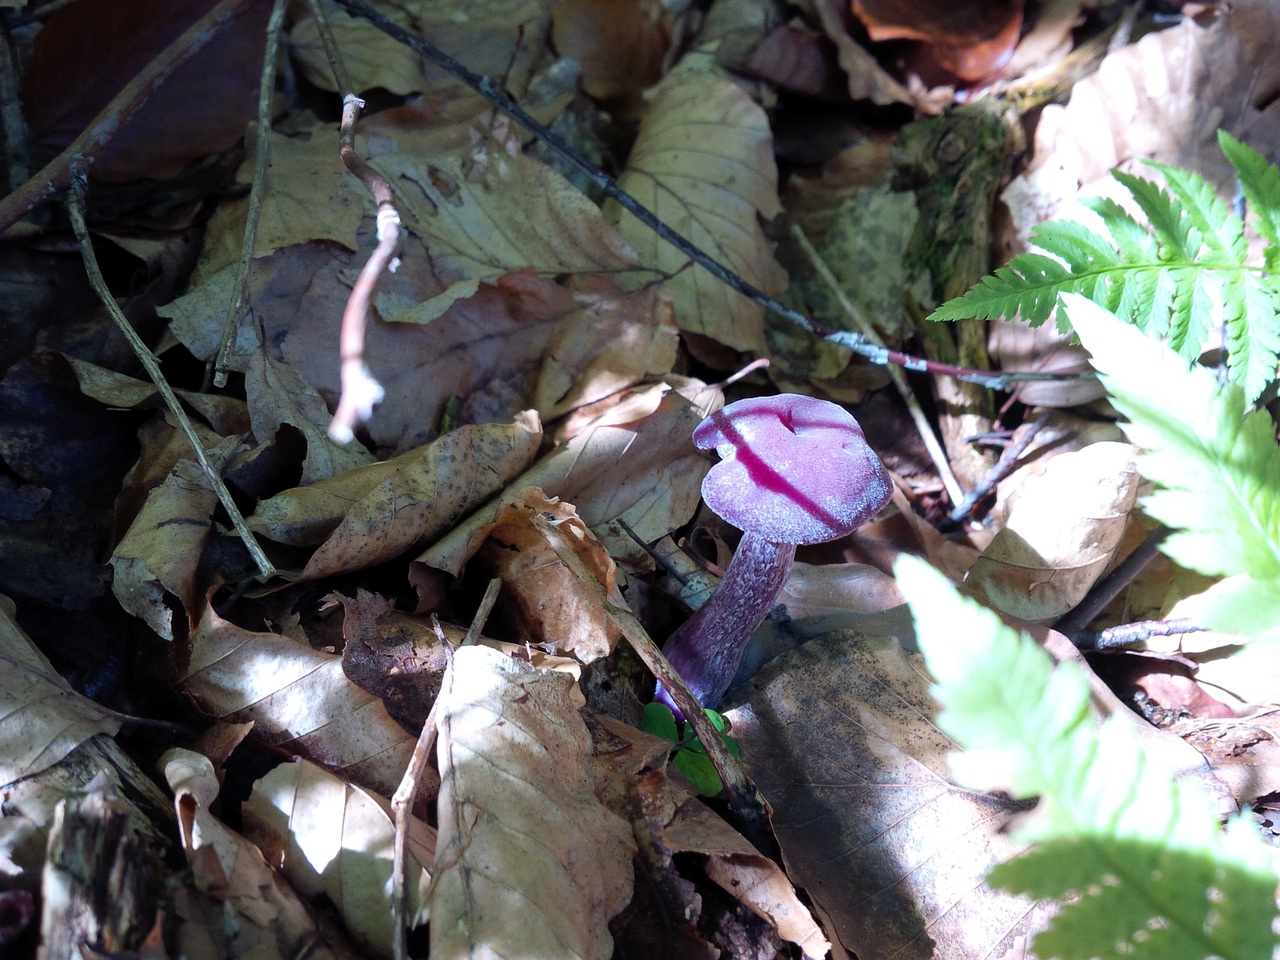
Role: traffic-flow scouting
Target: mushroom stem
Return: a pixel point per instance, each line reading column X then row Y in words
column 708, row 647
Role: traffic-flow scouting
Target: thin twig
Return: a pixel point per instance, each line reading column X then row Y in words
column 852, row 311
column 360, row 391
column 845, row 338
column 407, row 792
column 106, row 126
column 1006, row 465
column 1127, row 634
column 76, row 205
column 1109, row 587
column 262, row 159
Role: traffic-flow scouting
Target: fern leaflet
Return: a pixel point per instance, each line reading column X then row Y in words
column 1138, row 856
column 1179, row 277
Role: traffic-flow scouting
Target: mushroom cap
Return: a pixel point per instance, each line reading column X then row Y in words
column 792, row 469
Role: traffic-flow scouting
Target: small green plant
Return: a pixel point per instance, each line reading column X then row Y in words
column 1180, row 277
column 689, row 756
column 1137, row 859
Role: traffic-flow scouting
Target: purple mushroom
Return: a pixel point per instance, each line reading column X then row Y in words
column 793, row 470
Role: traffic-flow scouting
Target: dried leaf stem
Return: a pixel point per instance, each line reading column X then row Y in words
column 262, row 158
column 859, row 344
column 76, row 205
column 56, row 174
column 406, row 793
column 854, row 313
column 359, row 391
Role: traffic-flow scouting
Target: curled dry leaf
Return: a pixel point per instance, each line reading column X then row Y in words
column 427, row 496
column 44, row 719
column 703, row 163
column 226, row 415
column 237, row 905
column 745, row 874
column 298, row 698
column 278, row 395
column 529, row 862
column 843, row 746
column 160, row 554
column 621, row 47
column 1062, row 530
column 332, row 839
column 549, row 601
column 645, row 472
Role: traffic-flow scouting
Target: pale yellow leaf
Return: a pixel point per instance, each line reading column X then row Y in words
column 1062, row 530
column 529, row 862
column 333, row 839
column 298, row 699
column 703, row 163
column 43, row 718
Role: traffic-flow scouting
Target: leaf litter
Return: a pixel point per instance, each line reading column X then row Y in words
column 536, row 352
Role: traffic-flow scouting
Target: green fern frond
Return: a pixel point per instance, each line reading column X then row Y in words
column 1178, row 276
column 1136, row 858
column 1216, row 467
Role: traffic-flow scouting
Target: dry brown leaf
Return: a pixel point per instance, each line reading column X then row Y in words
column 332, row 839
column 528, row 862
column 867, row 79
column 427, row 495
column 842, row 744
column 548, row 601
column 703, row 163
column 1162, row 98
column 644, row 472
column 305, row 516
column 818, row 590
column 1063, row 527
column 277, row 395
column 226, row 415
column 621, row 47
column 745, row 874
column 298, row 700
column 160, row 554
column 44, row 718
column 238, row 905
column 492, row 212
column 527, row 340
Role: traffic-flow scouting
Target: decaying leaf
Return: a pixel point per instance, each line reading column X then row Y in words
column 745, row 874
column 159, row 556
column 333, row 839
column 43, row 718
column 238, row 905
column 427, row 496
column 277, row 395
column 549, row 602
column 494, row 212
column 645, row 472
column 842, row 744
column 528, row 860
column 703, row 162
column 298, row 699
column 1063, row 527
